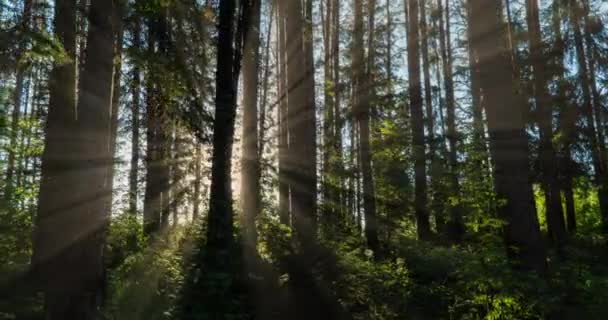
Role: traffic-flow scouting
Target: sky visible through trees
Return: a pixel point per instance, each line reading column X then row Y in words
column 303, row 159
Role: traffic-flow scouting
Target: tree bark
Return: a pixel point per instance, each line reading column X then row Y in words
column 301, row 120
column 250, row 162
column 567, row 121
column 284, row 209
column 587, row 112
column 362, row 82
column 415, row 96
column 220, row 219
column 135, row 120
column 598, row 112
column 329, row 213
column 17, row 97
column 456, row 225
column 508, row 140
column 156, row 196
column 548, row 159
column 73, row 213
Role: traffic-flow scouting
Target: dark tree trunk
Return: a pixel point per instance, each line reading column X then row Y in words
column 508, row 140
column 301, row 120
column 435, row 169
column 73, row 212
column 135, row 120
column 220, row 219
column 362, row 83
column 338, row 122
column 284, row 209
column 329, row 213
column 156, row 197
column 198, row 176
column 587, row 112
column 548, row 159
column 479, row 134
column 567, row 121
column 598, row 112
column 250, row 163
column 456, row 224
column 415, row 96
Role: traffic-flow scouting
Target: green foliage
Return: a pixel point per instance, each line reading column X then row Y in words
column 146, row 278
column 371, row 290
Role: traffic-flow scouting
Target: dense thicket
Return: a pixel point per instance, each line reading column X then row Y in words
column 314, row 159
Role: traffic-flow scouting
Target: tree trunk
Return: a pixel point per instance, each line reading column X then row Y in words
column 456, row 224
column 567, row 121
column 17, row 97
column 598, row 112
column 508, row 140
column 548, row 160
column 329, row 214
column 156, row 197
column 135, row 122
column 415, row 96
column 599, row 164
column 362, row 82
column 284, row 209
column 340, row 195
column 198, row 176
column 478, row 123
column 220, row 219
column 301, row 121
column 250, row 163
column 76, row 166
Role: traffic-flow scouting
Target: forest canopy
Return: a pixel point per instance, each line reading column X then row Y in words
column 303, row 159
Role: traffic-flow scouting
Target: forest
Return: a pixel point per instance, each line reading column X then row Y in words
column 303, row 159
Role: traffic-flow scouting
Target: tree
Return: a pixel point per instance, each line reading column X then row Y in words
column 220, row 217
column 73, row 215
column 415, row 96
column 250, row 162
column 548, row 160
column 158, row 135
column 508, row 141
column 135, row 117
column 568, row 116
column 456, row 224
column 283, row 93
column 17, row 101
column 301, row 120
column 363, row 82
column 587, row 113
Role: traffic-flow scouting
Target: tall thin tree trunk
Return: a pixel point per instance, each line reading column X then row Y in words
column 301, row 120
column 567, row 121
column 598, row 112
column 284, row 209
column 455, row 225
column 508, row 140
column 220, row 218
column 250, row 162
column 598, row 158
column 361, row 108
column 329, row 200
column 135, row 120
column 548, row 160
column 415, row 96
column 156, row 196
column 338, row 122
column 198, row 176
column 17, row 99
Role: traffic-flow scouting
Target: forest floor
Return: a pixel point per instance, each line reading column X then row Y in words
column 163, row 279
